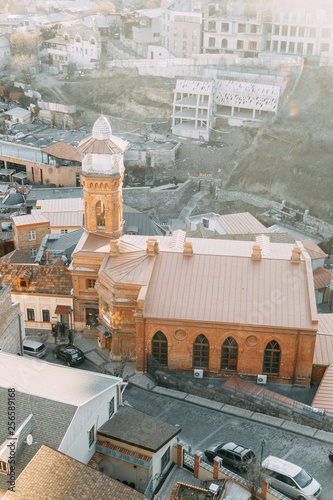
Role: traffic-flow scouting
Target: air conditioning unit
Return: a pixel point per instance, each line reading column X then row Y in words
column 198, row 373
column 262, row 379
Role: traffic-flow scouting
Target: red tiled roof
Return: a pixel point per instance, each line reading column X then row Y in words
column 321, row 277
column 14, row 96
column 124, row 450
column 64, row 151
column 16, row 257
column 51, row 280
column 313, row 249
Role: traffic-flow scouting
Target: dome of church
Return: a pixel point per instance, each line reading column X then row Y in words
column 101, row 129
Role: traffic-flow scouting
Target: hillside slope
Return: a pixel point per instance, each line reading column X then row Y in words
column 292, row 159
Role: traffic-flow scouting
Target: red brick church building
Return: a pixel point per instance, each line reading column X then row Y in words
column 222, row 306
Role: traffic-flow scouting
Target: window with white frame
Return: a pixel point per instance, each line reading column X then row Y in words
column 91, row 436
column 32, row 235
column 63, row 231
column 33, row 252
column 205, row 223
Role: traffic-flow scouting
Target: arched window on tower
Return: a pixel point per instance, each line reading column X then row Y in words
column 159, row 348
column 200, row 352
column 272, row 356
column 229, row 355
column 100, row 214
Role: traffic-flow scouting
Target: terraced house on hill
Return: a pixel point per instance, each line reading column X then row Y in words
column 219, row 306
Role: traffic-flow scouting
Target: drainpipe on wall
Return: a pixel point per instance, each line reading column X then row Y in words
column 20, row 332
column 293, row 379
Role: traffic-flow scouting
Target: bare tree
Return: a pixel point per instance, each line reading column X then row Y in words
column 25, row 42
column 24, row 64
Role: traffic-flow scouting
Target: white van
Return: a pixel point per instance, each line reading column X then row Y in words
column 290, row 479
column 34, row 348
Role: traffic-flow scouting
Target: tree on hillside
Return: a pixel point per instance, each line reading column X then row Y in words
column 47, row 32
column 21, row 63
column 25, row 43
column 104, row 7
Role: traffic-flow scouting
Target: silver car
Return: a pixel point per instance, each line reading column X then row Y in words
column 34, row 348
column 290, row 479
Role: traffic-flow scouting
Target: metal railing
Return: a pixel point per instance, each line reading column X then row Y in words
column 292, row 405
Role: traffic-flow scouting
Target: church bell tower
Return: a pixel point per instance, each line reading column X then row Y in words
column 102, row 180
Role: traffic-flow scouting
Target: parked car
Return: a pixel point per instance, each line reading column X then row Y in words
column 290, row 479
column 233, row 455
column 34, row 348
column 69, row 353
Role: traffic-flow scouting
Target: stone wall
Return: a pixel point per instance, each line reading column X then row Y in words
column 221, row 394
column 9, row 322
column 145, row 198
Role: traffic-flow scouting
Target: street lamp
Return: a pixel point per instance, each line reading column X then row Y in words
column 263, row 443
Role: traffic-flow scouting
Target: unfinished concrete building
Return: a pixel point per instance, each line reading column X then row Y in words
column 197, row 105
column 192, row 109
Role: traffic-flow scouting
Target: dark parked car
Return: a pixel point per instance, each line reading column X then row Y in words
column 69, row 353
column 233, row 455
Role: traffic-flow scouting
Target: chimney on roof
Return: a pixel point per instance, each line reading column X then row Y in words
column 188, row 250
column 256, row 252
column 47, row 257
column 153, row 246
column 296, row 255
column 114, row 248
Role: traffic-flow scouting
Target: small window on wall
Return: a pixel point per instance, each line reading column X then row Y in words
column 91, row 283
column 165, row 459
column 100, row 214
column 46, row 315
column 63, row 231
column 111, row 408
column 30, row 314
column 33, row 252
column 23, row 283
column 32, row 235
column 91, row 436
column 3, row 467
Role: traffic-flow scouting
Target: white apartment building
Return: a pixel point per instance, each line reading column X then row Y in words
column 181, row 29
column 75, row 44
column 298, row 32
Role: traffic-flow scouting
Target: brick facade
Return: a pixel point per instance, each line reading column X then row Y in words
column 21, row 236
column 10, row 336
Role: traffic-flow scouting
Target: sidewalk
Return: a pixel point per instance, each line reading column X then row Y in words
column 144, row 382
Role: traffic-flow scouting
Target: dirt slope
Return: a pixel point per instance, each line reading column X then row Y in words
column 292, row 159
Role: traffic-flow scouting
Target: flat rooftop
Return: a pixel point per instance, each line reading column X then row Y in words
column 46, row 380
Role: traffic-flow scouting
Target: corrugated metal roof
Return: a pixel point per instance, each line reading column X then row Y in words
column 325, row 323
column 323, row 354
column 321, row 277
column 65, row 219
column 313, row 249
column 114, row 145
column 60, row 205
column 241, row 223
column 31, row 219
column 229, row 289
column 323, row 399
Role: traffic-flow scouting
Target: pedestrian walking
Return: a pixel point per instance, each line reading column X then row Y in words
column 62, row 329
column 70, row 336
column 55, row 333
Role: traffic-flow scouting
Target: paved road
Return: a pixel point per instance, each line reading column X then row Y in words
column 203, row 426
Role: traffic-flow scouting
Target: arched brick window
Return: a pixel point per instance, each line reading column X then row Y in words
column 100, row 214
column 272, row 356
column 229, row 355
column 200, row 352
column 159, row 348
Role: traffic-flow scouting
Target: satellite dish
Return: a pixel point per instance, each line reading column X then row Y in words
column 30, row 439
